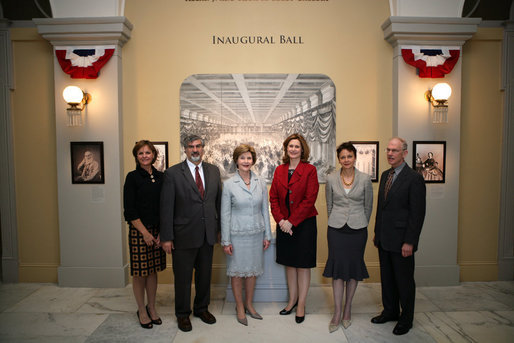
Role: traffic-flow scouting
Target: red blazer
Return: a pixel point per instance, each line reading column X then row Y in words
column 303, row 191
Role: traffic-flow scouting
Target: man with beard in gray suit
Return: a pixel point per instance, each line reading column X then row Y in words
column 190, row 226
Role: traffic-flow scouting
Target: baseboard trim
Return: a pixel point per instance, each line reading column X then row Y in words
column 93, row 277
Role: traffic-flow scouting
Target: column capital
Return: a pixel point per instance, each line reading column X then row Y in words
column 85, row 31
column 429, row 30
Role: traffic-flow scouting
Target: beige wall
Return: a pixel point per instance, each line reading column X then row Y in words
column 172, row 40
column 35, row 162
column 481, row 137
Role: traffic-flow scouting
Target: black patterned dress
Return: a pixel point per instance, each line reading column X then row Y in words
column 141, row 196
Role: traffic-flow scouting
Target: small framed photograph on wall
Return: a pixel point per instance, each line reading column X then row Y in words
column 87, row 162
column 161, row 163
column 429, row 159
column 367, row 158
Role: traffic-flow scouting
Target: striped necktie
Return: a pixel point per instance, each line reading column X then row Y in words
column 389, row 183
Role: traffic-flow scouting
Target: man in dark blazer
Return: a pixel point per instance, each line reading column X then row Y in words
column 190, row 224
column 399, row 219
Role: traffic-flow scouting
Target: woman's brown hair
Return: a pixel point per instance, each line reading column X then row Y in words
column 241, row 149
column 141, row 144
column 304, row 157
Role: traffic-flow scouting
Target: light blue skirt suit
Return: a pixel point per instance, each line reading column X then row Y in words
column 245, row 224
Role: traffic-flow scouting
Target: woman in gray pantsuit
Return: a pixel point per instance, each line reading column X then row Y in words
column 245, row 229
column 349, row 204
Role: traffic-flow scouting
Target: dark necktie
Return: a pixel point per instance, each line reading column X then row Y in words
column 198, row 180
column 389, row 183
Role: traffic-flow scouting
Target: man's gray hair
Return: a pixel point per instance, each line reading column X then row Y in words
column 191, row 138
column 405, row 146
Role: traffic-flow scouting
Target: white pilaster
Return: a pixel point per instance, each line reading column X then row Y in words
column 91, row 230
column 436, row 260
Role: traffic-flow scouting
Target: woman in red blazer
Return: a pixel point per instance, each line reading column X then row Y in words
column 292, row 196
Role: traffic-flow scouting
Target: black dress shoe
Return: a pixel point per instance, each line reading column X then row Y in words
column 401, row 329
column 184, row 324
column 285, row 312
column 299, row 319
column 157, row 321
column 206, row 317
column 381, row 319
column 144, row 325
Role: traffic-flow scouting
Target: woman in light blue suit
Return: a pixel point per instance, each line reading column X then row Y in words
column 245, row 229
column 349, row 204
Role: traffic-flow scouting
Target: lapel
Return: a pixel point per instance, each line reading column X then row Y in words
column 381, row 187
column 253, row 185
column 282, row 174
column 189, row 178
column 399, row 180
column 238, row 180
column 206, row 176
column 297, row 174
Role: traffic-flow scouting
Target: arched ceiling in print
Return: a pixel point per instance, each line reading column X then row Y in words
column 249, row 98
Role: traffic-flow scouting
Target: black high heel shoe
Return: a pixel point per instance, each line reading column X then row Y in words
column 144, row 326
column 285, row 312
column 157, row 321
column 299, row 319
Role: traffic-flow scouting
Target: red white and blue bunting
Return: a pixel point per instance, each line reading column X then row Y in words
column 433, row 62
column 83, row 62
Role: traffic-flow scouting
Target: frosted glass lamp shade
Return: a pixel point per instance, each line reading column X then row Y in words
column 73, row 95
column 441, row 91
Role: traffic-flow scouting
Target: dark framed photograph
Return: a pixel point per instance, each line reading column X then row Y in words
column 367, row 158
column 161, row 163
column 87, row 162
column 429, row 159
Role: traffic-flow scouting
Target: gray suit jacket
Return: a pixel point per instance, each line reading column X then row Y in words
column 243, row 210
column 353, row 208
column 186, row 218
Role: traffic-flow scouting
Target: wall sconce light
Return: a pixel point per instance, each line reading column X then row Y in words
column 75, row 97
column 438, row 98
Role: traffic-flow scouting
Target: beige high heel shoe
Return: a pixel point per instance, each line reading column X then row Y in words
column 332, row 327
column 255, row 315
column 243, row 321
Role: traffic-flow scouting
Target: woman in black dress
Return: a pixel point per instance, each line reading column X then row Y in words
column 141, row 195
column 293, row 193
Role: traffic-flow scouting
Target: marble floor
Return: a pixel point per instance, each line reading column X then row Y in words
column 470, row 312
